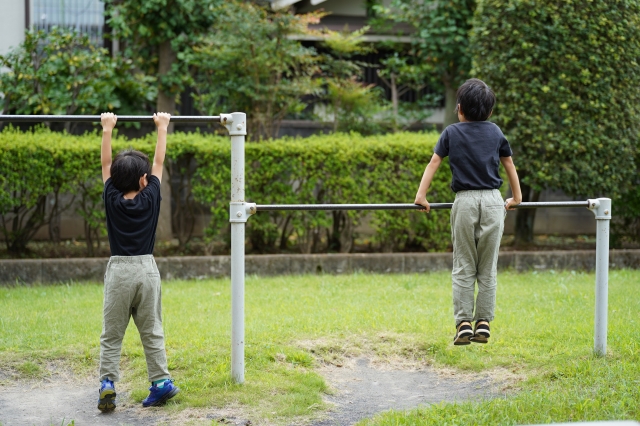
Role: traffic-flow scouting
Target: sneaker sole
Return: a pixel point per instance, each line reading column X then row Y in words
column 479, row 338
column 463, row 340
column 164, row 399
column 107, row 400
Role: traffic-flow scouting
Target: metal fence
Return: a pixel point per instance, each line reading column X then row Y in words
column 85, row 16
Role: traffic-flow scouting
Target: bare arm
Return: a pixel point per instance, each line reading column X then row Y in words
column 108, row 121
column 162, row 123
column 512, row 174
column 425, row 183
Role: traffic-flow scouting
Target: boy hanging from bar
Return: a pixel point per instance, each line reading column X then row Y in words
column 132, row 285
column 475, row 148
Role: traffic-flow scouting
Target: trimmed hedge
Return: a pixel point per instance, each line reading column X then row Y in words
column 337, row 168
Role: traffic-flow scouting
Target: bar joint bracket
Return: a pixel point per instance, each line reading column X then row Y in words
column 236, row 123
column 239, row 212
column 601, row 208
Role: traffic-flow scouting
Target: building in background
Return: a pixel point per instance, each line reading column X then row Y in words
column 13, row 22
column 85, row 16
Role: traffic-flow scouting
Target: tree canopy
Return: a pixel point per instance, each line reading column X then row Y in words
column 567, row 80
column 250, row 62
column 441, row 41
column 156, row 31
column 63, row 73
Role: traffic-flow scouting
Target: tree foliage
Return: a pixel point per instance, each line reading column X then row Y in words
column 250, row 63
column 401, row 75
column 63, row 73
column 440, row 41
column 156, row 31
column 567, row 80
column 349, row 102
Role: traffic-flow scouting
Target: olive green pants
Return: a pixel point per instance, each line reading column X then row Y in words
column 477, row 224
column 132, row 288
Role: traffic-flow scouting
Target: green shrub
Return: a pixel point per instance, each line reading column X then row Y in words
column 567, row 78
column 34, row 166
column 338, row 168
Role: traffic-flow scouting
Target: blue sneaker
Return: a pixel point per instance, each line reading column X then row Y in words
column 107, row 398
column 158, row 396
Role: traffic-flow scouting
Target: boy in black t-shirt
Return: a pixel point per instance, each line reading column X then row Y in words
column 132, row 281
column 475, row 148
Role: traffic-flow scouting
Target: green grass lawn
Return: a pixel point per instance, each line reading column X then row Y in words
column 543, row 332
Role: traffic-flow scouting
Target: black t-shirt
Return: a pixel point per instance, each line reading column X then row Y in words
column 131, row 224
column 474, row 149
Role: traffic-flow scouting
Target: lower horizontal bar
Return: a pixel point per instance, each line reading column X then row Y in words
column 96, row 118
column 434, row 206
column 552, row 204
column 276, row 207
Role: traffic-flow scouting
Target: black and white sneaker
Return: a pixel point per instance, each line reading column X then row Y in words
column 482, row 332
column 463, row 333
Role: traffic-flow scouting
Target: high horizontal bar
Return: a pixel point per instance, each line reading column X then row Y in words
column 96, row 118
column 433, row 206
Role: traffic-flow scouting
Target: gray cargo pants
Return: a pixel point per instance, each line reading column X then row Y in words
column 132, row 289
column 477, row 223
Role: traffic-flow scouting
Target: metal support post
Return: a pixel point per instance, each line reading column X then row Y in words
column 238, row 213
column 601, row 208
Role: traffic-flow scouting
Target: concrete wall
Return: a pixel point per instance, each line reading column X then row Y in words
column 19, row 272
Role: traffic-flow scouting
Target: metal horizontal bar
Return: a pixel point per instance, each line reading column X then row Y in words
column 552, row 204
column 179, row 119
column 434, row 206
column 276, row 207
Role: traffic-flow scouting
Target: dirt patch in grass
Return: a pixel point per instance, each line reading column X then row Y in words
column 366, row 376
column 64, row 402
column 360, row 389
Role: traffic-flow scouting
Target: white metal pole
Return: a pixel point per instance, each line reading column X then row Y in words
column 236, row 124
column 602, row 210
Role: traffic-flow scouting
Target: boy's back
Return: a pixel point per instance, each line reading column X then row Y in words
column 474, row 149
column 131, row 223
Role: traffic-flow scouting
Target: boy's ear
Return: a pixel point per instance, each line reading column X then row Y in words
column 490, row 114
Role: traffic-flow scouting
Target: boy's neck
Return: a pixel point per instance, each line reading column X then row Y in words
column 131, row 195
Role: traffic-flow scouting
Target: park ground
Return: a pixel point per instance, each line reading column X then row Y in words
column 323, row 350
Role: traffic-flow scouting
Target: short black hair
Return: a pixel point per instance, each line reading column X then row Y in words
column 127, row 169
column 476, row 100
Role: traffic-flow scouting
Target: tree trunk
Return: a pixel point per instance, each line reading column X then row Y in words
column 20, row 236
column 88, row 238
column 450, row 101
column 525, row 218
column 54, row 221
column 166, row 103
column 394, row 101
